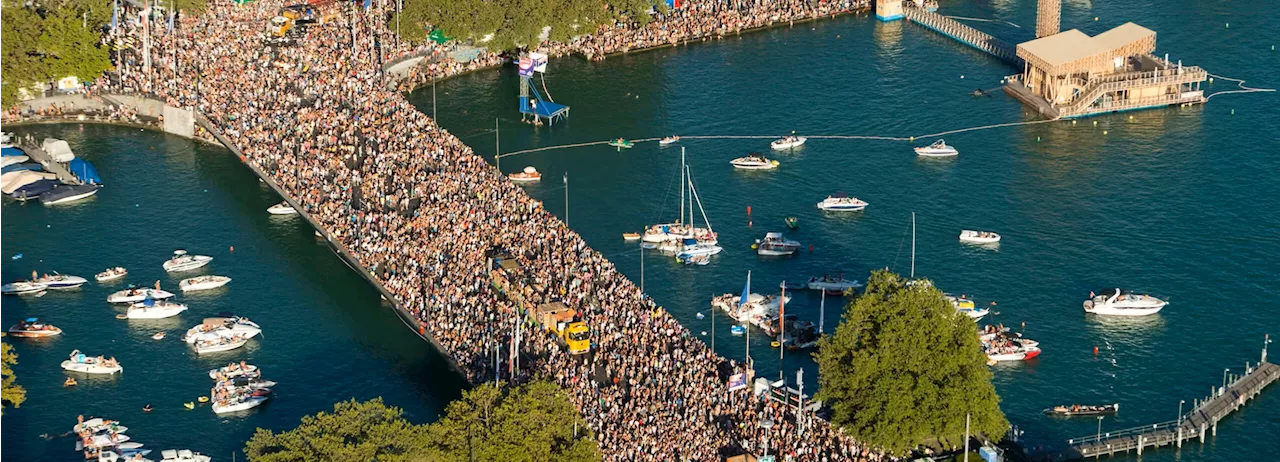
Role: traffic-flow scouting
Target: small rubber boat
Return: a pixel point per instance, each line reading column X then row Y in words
column 969, row 236
column 283, row 208
column 203, row 283
column 1077, row 410
column 621, row 143
column 630, row 236
column 841, row 203
column 22, row 288
column 78, row 362
column 57, row 281
column 788, row 142
column 937, row 149
column 754, row 161
column 737, row 329
column 135, row 294
column 153, row 309
column 669, row 140
column 529, row 175
column 33, row 328
column 238, row 404
column 69, row 193
column 792, row 222
column 183, row 262
column 111, row 274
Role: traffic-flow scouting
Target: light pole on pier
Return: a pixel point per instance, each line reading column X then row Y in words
column 1224, row 380
column 1180, row 403
column 766, row 424
column 1100, row 427
column 566, row 198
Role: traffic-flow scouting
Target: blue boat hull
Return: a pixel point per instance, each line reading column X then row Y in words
column 34, row 189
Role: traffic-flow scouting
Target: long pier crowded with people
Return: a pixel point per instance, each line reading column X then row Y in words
column 421, row 213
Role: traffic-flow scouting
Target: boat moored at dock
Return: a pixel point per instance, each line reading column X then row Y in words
column 68, row 193
column 1077, row 410
column 283, row 208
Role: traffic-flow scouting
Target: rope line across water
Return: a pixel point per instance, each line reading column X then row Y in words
column 1239, row 83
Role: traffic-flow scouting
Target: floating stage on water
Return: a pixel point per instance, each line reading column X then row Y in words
column 551, row 111
column 531, row 102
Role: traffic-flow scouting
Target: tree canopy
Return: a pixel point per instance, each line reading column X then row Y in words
column 517, row 23
column 11, row 393
column 534, row 422
column 50, row 40
column 903, row 369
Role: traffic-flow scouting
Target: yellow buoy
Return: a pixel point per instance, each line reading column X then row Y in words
column 1073, row 122
column 775, row 344
column 203, row 399
column 1104, row 132
column 189, row 405
column 1130, row 117
column 1095, row 18
column 1095, row 123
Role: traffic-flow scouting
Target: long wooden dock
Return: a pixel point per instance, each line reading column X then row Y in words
column 962, row 33
column 1198, row 423
column 33, row 150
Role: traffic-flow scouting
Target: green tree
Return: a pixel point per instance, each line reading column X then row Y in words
column 903, row 369
column 354, row 431
column 510, row 24
column 11, row 393
column 535, row 422
column 48, row 41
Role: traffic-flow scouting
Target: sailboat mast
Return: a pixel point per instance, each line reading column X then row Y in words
column 682, row 185
column 782, row 326
column 748, row 329
column 913, row 245
column 693, row 195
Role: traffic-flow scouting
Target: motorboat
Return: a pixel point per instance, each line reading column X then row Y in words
column 700, row 260
column 841, row 203
column 22, row 288
column 111, row 274
column 216, row 327
column 1077, row 410
column 136, row 294
column 183, row 455
column 219, row 343
column 622, row 143
column 832, row 283
column 669, row 140
column 78, row 362
column 33, row 328
column 1000, row 347
column 965, row 305
column 57, row 281
column 774, row 244
column 34, row 189
column 1117, row 303
column 792, row 222
column 245, row 383
column 203, row 283
column 788, row 142
column 124, row 455
column 153, row 309
column 237, row 404
column 529, row 174
column 755, row 310
column 97, row 425
column 969, row 236
column 754, row 161
column 937, row 149
column 101, row 439
column 693, row 248
column 737, row 329
column 283, row 208
column 69, row 193
column 630, row 236
column 234, row 370
column 183, row 262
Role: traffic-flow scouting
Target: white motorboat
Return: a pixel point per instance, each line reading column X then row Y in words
column 774, row 244
column 219, row 344
column 111, row 274
column 679, row 230
column 788, row 142
column 1116, row 303
column 669, row 140
column 1001, row 347
column 700, row 260
column 234, row 370
column 183, row 455
column 57, row 281
column 969, row 236
column 22, row 288
column 124, row 455
column 153, row 309
column 937, row 149
column 965, row 305
column 33, row 328
column 841, row 203
column 756, row 310
column 203, row 283
column 102, row 440
column 78, row 362
column 283, row 208
column 183, row 262
column 832, row 283
column 97, row 424
column 137, row 294
column 213, row 328
column 754, row 161
column 693, row 248
column 242, row 403
column 529, row 175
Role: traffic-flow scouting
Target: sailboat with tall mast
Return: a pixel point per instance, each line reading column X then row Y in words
column 691, row 245
column 679, row 230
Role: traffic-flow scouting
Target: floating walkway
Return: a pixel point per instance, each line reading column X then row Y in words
column 963, row 33
column 33, row 150
column 1202, row 419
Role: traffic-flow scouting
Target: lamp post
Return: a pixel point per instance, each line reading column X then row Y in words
column 1180, row 403
column 1100, row 427
column 1224, row 379
column 766, row 424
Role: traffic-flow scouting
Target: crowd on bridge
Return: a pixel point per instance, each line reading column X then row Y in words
column 424, row 215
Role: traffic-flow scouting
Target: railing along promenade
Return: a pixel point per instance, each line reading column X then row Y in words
column 1197, row 423
column 963, row 33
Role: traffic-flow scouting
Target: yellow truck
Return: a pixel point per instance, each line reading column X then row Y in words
column 559, row 319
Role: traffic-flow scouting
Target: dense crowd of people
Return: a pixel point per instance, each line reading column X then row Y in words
column 426, row 216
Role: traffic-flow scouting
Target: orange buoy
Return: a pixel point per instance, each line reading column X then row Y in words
column 1095, row 350
column 810, row 248
column 748, row 210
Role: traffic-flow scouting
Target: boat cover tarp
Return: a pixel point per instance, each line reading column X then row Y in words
column 85, row 171
column 65, row 191
column 58, row 150
column 16, row 167
column 34, row 189
column 10, row 182
column 6, row 152
column 10, row 160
